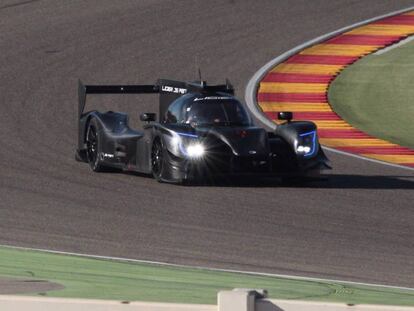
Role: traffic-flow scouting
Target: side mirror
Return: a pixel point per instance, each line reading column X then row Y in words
column 148, row 117
column 285, row 115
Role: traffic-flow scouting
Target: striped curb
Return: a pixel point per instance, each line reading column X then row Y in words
column 300, row 84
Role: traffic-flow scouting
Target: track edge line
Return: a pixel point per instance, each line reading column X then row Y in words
column 166, row 264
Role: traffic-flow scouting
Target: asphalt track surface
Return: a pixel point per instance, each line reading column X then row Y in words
column 358, row 226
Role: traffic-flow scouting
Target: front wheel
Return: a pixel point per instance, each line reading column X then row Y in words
column 92, row 147
column 157, row 160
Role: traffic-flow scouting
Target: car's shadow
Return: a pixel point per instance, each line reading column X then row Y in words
column 331, row 181
column 344, row 181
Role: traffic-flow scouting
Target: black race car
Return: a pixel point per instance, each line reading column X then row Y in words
column 202, row 132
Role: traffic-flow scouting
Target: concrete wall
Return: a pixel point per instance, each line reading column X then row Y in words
column 19, row 303
column 236, row 300
column 284, row 305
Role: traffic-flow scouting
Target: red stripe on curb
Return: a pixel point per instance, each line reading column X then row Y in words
column 332, row 129
column 304, row 116
column 397, row 20
column 297, row 78
column 378, row 150
column 293, row 97
column 319, row 116
column 364, row 40
column 321, row 59
column 348, row 133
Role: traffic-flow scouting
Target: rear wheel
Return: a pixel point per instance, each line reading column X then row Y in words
column 92, row 147
column 157, row 160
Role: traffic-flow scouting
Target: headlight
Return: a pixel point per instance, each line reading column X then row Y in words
column 195, row 150
column 187, row 145
column 303, row 149
column 306, row 144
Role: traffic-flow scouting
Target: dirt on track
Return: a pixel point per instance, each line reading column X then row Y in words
column 10, row 286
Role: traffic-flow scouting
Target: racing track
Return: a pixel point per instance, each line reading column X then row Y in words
column 359, row 226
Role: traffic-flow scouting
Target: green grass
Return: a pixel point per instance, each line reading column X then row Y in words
column 376, row 95
column 105, row 279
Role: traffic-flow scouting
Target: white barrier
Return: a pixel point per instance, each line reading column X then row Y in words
column 261, row 303
column 235, row 300
column 20, row 303
column 286, row 305
column 239, row 299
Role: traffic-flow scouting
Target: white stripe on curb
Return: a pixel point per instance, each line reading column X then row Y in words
column 165, row 264
column 394, row 46
column 252, row 85
column 353, row 155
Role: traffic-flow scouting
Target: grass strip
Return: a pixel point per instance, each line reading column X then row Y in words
column 107, row 279
column 376, row 95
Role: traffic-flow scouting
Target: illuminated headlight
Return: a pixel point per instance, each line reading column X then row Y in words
column 303, row 149
column 195, row 150
column 187, row 145
column 306, row 144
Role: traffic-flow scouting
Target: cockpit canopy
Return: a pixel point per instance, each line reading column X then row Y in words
column 212, row 110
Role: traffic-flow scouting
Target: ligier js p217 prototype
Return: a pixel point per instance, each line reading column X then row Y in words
column 202, row 131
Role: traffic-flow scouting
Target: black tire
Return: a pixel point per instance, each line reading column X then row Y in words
column 157, row 160
column 92, row 147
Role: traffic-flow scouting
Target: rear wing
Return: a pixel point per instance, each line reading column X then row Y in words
column 169, row 90
column 83, row 90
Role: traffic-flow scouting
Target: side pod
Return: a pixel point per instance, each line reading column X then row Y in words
column 303, row 142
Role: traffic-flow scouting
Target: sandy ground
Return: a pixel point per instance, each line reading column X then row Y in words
column 9, row 286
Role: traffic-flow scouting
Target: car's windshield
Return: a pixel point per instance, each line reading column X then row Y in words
column 216, row 112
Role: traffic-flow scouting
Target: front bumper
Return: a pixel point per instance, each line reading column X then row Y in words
column 207, row 168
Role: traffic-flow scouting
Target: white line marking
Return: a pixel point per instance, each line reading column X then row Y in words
column 393, row 46
column 252, row 85
column 159, row 263
column 367, row 159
